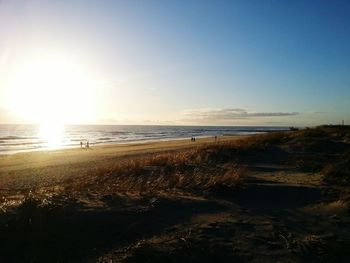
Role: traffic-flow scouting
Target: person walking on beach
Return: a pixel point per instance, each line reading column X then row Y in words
column 81, row 144
column 87, row 144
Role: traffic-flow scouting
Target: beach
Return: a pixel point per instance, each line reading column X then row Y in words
column 274, row 197
column 64, row 163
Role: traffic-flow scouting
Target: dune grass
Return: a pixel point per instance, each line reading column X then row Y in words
column 191, row 170
column 195, row 170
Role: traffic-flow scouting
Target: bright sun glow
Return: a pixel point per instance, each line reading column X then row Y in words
column 52, row 133
column 51, row 91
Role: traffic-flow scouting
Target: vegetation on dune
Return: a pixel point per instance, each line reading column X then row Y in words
column 192, row 170
column 195, row 170
column 338, row 172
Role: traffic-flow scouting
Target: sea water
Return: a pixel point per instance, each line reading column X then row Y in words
column 21, row 138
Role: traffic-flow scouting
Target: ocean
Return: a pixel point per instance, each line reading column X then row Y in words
column 22, row 138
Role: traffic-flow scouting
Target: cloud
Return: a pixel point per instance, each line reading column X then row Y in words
column 230, row 114
column 316, row 112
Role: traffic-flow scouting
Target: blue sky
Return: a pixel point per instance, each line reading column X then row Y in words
column 192, row 62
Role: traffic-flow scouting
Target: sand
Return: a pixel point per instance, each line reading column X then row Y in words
column 97, row 152
column 33, row 166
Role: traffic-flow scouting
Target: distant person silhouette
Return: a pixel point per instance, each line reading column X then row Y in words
column 81, row 144
column 87, row 144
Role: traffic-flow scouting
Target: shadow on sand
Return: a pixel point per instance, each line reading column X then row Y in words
column 76, row 233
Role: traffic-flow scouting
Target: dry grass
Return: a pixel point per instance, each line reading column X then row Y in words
column 192, row 170
column 339, row 171
column 199, row 169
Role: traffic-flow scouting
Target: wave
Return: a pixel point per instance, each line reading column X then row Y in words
column 20, row 143
column 118, row 132
column 5, row 138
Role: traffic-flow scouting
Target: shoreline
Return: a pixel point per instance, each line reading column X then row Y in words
column 16, row 140
column 104, row 144
column 76, row 157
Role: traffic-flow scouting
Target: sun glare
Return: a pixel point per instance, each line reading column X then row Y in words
column 52, row 134
column 52, row 91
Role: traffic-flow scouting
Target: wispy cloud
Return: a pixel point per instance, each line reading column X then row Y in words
column 230, row 114
column 316, row 112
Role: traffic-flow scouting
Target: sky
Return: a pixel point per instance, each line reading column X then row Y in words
column 182, row 62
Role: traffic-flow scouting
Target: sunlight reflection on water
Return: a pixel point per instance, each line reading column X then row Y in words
column 52, row 134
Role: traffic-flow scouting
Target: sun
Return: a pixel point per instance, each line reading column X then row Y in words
column 51, row 90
